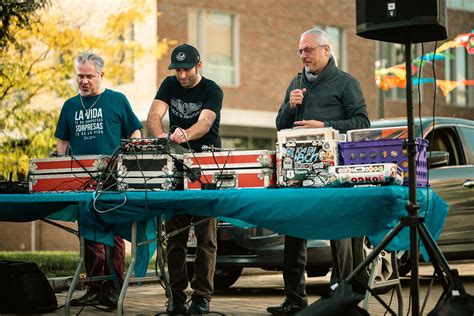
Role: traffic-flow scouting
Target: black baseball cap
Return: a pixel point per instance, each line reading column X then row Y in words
column 184, row 56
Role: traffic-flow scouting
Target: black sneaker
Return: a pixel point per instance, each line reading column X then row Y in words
column 177, row 308
column 200, row 305
column 109, row 299
column 92, row 297
column 287, row 308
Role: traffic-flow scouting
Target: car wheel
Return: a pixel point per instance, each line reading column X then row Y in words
column 226, row 277
column 316, row 271
column 223, row 277
column 361, row 249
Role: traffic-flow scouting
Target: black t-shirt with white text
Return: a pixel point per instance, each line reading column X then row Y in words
column 185, row 106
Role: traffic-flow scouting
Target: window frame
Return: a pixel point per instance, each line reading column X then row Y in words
column 399, row 94
column 460, row 5
column 341, row 56
column 197, row 37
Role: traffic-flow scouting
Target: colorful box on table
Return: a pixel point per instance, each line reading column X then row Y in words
column 230, row 169
column 305, row 155
column 371, row 174
column 68, row 173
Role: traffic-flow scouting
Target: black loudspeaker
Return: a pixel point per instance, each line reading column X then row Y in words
column 401, row 21
column 24, row 289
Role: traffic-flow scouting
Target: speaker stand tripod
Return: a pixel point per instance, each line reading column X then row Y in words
column 415, row 223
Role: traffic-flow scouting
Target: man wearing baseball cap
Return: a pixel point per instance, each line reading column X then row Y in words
column 194, row 104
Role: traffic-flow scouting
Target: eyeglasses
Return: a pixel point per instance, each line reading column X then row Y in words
column 307, row 50
column 88, row 77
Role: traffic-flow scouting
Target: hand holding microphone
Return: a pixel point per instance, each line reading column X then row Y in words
column 296, row 97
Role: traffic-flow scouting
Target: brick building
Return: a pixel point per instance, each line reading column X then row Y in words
column 249, row 48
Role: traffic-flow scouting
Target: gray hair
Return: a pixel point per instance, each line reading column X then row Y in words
column 94, row 58
column 322, row 38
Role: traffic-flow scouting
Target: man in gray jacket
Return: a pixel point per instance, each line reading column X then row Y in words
column 321, row 96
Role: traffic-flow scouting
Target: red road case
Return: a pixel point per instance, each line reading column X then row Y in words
column 78, row 173
column 231, row 169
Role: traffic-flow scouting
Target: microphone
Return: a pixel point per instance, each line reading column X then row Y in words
column 300, row 85
column 300, row 80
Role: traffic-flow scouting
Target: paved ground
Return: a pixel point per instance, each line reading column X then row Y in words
column 257, row 289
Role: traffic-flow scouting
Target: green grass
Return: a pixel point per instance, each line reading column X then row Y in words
column 51, row 263
column 54, row 263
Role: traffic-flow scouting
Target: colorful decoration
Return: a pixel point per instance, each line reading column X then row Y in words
column 395, row 76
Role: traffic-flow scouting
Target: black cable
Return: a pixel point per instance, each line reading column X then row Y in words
column 420, row 119
column 194, row 156
column 159, row 245
column 433, row 124
column 221, row 169
column 176, row 160
column 168, row 139
column 108, row 172
column 73, row 158
column 390, row 302
column 419, row 85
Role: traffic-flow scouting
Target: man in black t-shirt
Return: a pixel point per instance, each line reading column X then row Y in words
column 194, row 104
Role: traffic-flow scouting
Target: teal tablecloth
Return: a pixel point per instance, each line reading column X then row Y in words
column 312, row 213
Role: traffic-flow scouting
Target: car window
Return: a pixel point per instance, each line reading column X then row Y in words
column 446, row 139
column 468, row 133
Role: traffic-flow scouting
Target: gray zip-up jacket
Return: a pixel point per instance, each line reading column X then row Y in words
column 335, row 98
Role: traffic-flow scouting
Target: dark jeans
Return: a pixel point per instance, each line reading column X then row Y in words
column 344, row 260
column 205, row 261
column 96, row 264
column 294, row 265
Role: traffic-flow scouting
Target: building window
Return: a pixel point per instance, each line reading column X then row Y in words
column 216, row 37
column 469, row 135
column 465, row 5
column 391, row 55
column 336, row 34
column 248, row 142
column 125, row 58
column 457, row 69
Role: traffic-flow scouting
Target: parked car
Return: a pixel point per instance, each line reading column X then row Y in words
column 451, row 174
column 258, row 247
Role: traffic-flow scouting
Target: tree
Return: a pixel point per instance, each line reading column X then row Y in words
column 41, row 63
column 17, row 15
